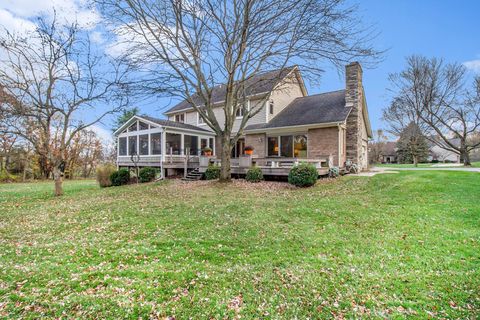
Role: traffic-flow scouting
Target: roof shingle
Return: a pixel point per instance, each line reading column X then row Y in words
column 173, row 124
column 264, row 82
column 315, row 109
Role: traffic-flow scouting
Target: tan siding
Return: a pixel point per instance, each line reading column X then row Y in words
column 284, row 95
column 191, row 117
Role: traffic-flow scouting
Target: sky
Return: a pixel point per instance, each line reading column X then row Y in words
column 445, row 29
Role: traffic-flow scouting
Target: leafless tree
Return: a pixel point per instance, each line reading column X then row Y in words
column 188, row 48
column 58, row 82
column 433, row 94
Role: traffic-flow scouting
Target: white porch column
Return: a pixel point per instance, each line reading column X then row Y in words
column 182, row 144
column 164, row 144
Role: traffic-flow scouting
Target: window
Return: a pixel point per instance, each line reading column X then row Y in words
column 173, row 143
column 272, row 146
column 132, row 145
column 200, row 119
column 142, row 126
column 270, row 106
column 286, row 146
column 203, row 143
column 133, row 127
column 180, row 117
column 122, row 146
column 241, row 110
column 143, row 144
column 300, row 146
column 211, row 142
column 191, row 144
column 156, row 143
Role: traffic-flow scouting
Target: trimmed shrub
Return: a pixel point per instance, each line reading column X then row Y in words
column 104, row 173
column 147, row 174
column 212, row 173
column 303, row 175
column 254, row 174
column 333, row 172
column 120, row 177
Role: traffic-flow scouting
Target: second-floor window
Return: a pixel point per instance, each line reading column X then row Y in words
column 242, row 110
column 270, row 107
column 200, row 119
column 180, row 117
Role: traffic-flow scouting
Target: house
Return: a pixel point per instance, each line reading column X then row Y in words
column 388, row 154
column 327, row 129
column 440, row 154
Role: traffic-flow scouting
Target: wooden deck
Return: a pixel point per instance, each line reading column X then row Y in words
column 269, row 166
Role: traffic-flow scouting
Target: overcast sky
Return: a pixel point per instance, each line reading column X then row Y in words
column 446, row 29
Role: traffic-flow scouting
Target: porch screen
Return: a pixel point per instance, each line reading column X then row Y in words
column 122, row 146
column 191, row 143
column 174, row 143
column 143, row 144
column 156, row 143
column 286, row 146
column 132, row 145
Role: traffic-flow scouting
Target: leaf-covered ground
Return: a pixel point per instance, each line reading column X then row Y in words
column 389, row 246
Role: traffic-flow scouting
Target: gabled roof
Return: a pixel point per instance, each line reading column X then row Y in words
column 161, row 122
column 321, row 108
column 261, row 83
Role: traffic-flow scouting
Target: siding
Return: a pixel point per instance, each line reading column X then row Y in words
column 191, row 117
column 284, row 95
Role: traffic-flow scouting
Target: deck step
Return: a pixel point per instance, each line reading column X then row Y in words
column 193, row 175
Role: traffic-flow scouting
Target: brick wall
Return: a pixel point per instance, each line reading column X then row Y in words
column 257, row 141
column 322, row 143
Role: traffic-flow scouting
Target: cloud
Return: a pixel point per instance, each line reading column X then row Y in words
column 104, row 134
column 17, row 15
column 473, row 65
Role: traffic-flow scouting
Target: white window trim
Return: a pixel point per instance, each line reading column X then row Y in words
column 248, row 110
column 198, row 120
column 179, row 114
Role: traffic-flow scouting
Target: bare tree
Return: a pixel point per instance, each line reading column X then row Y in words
column 58, row 82
column 433, row 95
column 189, row 48
column 377, row 146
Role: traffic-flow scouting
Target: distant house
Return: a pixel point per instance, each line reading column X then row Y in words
column 388, row 154
column 440, row 154
column 292, row 126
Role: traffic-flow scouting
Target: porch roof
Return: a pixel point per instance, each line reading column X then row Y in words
column 163, row 123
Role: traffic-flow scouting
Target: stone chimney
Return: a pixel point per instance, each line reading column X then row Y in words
column 354, row 100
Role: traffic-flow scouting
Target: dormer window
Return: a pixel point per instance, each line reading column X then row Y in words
column 180, row 117
column 200, row 119
column 270, row 106
column 241, row 111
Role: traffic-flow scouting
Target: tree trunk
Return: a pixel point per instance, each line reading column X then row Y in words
column 57, row 175
column 465, row 158
column 415, row 161
column 226, row 153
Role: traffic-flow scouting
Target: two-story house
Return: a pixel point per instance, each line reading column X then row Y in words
column 289, row 125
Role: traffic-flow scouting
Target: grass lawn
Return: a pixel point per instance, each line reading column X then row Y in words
column 389, row 246
column 420, row 165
